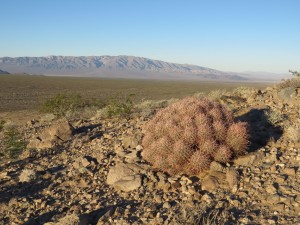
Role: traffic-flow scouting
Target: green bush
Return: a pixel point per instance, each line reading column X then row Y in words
column 61, row 104
column 119, row 106
column 13, row 142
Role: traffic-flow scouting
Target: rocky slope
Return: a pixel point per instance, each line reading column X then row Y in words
column 91, row 171
column 111, row 66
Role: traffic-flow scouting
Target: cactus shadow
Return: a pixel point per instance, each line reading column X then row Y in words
column 260, row 129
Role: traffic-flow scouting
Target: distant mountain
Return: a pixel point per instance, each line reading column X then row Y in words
column 3, row 72
column 112, row 66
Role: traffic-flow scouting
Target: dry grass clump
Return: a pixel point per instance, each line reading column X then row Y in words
column 244, row 92
column 188, row 135
column 199, row 215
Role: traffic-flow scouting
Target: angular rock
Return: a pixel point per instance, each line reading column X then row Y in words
column 130, row 141
column 53, row 135
column 209, row 183
column 128, row 183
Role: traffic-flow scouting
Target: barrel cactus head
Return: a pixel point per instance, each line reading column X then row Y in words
column 188, row 135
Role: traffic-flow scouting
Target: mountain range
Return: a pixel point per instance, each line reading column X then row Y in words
column 3, row 72
column 113, row 67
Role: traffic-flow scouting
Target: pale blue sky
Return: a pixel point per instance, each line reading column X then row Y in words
column 229, row 35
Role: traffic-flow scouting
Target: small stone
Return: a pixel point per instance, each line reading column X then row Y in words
column 209, row 183
column 271, row 189
column 166, row 205
column 279, row 207
column 130, row 141
column 289, row 171
column 232, row 178
column 85, row 162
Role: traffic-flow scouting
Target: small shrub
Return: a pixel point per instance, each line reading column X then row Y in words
column 216, row 94
column 117, row 106
column 188, row 135
column 27, row 175
column 13, row 143
column 2, row 122
column 244, row 92
column 295, row 73
column 66, row 104
column 294, row 82
column 199, row 215
column 274, row 117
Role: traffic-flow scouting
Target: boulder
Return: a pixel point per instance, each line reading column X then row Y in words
column 54, row 135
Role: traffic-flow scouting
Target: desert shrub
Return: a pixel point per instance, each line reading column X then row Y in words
column 294, row 82
column 244, row 92
column 2, row 122
column 63, row 104
column 295, row 73
column 13, row 143
column 148, row 107
column 216, row 94
column 274, row 117
column 188, row 135
column 199, row 214
column 117, row 106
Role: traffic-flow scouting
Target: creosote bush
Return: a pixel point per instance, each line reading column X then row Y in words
column 188, row 135
column 117, row 106
column 63, row 104
column 13, row 143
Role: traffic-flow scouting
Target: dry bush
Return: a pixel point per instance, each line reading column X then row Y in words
column 274, row 117
column 216, row 94
column 188, row 135
column 294, row 82
column 244, row 92
column 199, row 214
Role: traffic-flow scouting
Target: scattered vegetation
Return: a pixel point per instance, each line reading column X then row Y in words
column 295, row 73
column 216, row 94
column 30, row 92
column 63, row 104
column 188, row 135
column 294, row 82
column 13, row 143
column 117, row 106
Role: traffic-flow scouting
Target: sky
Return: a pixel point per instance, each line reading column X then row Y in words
column 228, row 35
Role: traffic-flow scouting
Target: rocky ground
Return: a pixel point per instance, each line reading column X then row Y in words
column 91, row 172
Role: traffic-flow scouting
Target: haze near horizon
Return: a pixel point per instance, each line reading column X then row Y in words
column 229, row 35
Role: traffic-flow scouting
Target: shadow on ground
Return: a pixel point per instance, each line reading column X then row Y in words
column 260, row 129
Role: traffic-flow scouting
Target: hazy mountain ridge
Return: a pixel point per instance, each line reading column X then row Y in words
column 122, row 66
column 3, row 72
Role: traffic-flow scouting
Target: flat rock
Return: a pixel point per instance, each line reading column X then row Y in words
column 128, row 183
column 119, row 171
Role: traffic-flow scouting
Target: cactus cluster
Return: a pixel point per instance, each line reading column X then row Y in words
column 188, row 135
